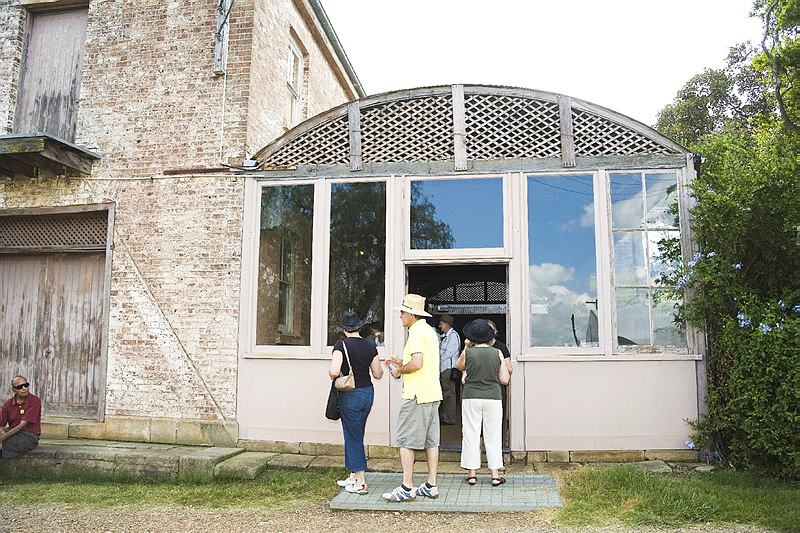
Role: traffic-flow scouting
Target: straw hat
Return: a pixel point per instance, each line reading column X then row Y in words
column 414, row 304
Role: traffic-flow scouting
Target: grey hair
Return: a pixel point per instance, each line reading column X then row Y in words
column 18, row 376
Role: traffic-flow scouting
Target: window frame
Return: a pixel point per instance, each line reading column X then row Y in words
column 295, row 81
column 320, row 269
column 679, row 229
column 503, row 252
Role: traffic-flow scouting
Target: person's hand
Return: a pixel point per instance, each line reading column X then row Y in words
column 467, row 343
column 392, row 361
column 395, row 371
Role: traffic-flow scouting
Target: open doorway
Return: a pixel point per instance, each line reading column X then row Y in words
column 465, row 292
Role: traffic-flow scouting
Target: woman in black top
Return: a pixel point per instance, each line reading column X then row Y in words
column 356, row 404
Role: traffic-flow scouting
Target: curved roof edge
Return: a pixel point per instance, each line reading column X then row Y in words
column 440, row 90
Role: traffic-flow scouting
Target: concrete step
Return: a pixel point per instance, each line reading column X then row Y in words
column 245, row 465
column 120, row 460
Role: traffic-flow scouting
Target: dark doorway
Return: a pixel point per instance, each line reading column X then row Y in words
column 465, row 292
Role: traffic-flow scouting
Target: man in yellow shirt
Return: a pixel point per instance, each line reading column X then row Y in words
column 418, row 421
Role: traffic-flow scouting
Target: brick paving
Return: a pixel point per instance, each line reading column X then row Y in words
column 519, row 493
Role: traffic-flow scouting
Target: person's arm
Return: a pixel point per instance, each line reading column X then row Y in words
column 504, row 375
column 13, row 431
column 336, row 365
column 410, row 367
column 376, row 368
column 508, row 365
column 461, row 362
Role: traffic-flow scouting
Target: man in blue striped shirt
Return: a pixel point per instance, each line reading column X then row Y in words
column 449, row 350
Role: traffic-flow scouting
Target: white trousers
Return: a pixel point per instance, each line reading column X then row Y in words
column 474, row 414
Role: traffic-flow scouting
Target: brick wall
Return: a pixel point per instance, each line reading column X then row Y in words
column 150, row 103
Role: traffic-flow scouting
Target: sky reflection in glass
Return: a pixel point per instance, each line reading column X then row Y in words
column 470, row 211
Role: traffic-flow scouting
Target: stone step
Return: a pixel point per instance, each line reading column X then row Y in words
column 247, row 465
column 121, row 460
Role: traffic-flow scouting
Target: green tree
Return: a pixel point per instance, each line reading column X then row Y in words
column 745, row 282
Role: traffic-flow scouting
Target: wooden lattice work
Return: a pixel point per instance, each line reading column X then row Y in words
column 596, row 136
column 500, row 126
column 472, row 292
column 408, row 130
column 420, row 125
column 74, row 230
column 326, row 144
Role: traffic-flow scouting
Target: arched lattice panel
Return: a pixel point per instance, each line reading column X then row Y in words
column 420, row 129
column 326, row 144
column 596, row 136
column 500, row 126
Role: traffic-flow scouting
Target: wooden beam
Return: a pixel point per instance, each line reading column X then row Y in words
column 21, row 145
column 354, row 126
column 12, row 167
column 70, row 159
column 567, row 135
column 459, row 128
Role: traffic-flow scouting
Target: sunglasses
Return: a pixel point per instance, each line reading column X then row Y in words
column 21, row 385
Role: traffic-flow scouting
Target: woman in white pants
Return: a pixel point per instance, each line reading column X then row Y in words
column 482, row 404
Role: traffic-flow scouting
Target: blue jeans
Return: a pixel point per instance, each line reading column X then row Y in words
column 355, row 406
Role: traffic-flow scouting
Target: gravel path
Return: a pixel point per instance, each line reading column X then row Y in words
column 314, row 518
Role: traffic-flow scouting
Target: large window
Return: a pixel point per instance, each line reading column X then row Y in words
column 295, row 78
column 563, row 302
column 457, row 213
column 644, row 215
column 357, row 271
column 283, row 315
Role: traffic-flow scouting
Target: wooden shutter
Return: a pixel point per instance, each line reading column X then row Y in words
column 50, row 78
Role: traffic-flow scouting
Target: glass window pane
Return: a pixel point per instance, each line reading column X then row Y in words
column 662, row 200
column 633, row 322
column 358, row 254
column 629, row 264
column 627, row 209
column 284, row 265
column 563, row 269
column 448, row 214
column 659, row 244
column 668, row 329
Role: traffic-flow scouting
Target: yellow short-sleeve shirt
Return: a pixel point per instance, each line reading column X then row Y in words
column 424, row 383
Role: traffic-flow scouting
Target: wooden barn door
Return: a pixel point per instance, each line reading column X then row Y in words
column 52, row 311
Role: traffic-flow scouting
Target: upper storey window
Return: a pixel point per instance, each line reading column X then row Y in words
column 50, row 75
column 295, row 81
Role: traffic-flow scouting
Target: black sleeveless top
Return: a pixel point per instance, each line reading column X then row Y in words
column 361, row 352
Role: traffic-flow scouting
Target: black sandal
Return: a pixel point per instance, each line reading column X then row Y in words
column 497, row 481
column 471, row 480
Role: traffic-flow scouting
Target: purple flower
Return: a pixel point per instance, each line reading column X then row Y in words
column 682, row 282
column 737, row 266
column 782, row 306
column 744, row 320
column 690, row 444
column 765, row 328
column 712, row 254
column 796, row 309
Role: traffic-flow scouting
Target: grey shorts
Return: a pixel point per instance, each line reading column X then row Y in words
column 418, row 425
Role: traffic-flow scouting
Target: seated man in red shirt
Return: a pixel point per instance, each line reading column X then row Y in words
column 20, row 419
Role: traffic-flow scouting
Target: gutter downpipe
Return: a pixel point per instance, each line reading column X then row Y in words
column 325, row 22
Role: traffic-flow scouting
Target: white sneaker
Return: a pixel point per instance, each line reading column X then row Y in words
column 399, row 494
column 357, row 489
column 345, row 482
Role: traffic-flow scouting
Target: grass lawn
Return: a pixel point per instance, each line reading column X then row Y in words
column 598, row 497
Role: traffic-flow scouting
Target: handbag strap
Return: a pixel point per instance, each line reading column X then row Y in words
column 347, row 355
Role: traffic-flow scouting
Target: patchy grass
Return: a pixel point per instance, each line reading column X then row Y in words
column 273, row 490
column 630, row 497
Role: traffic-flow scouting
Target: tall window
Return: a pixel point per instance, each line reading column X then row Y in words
column 644, row 215
column 50, row 76
column 295, row 74
column 357, row 275
column 284, row 265
column 563, row 302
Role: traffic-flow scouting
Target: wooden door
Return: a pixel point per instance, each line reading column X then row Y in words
column 50, row 77
column 51, row 320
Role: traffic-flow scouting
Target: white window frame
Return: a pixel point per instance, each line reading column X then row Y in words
column 644, row 348
column 502, row 252
column 295, row 78
column 320, row 269
column 602, row 272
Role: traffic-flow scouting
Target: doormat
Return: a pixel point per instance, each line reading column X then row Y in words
column 518, row 493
